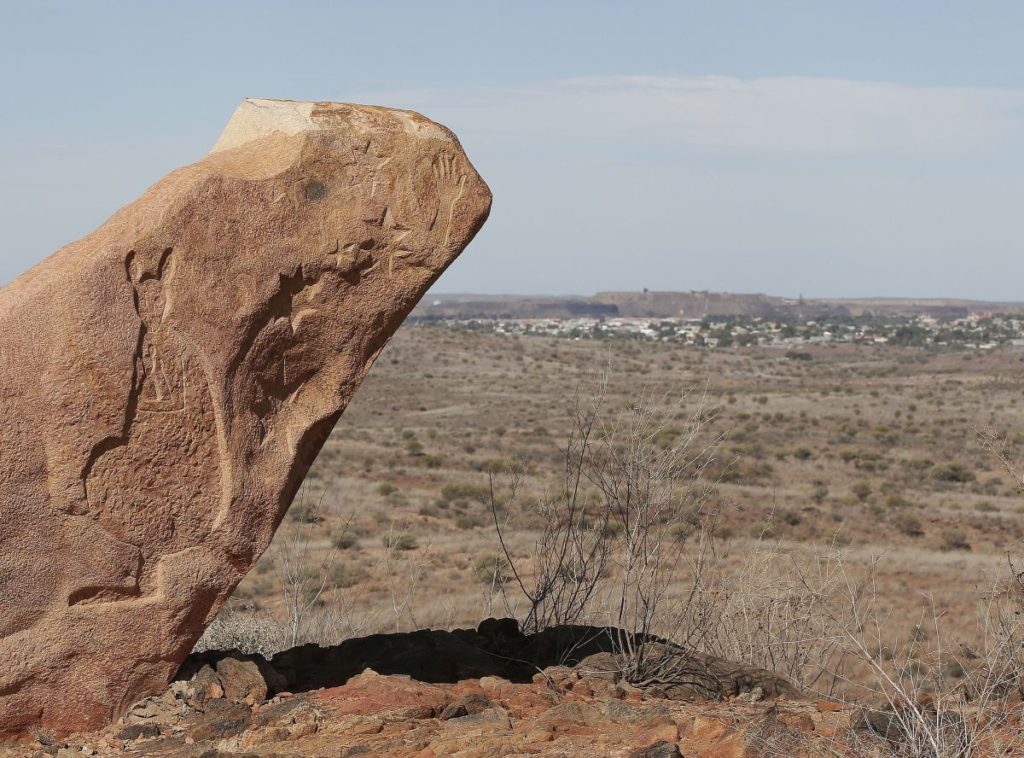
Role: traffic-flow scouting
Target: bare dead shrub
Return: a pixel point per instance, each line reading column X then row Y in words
column 303, row 577
column 996, row 445
column 404, row 575
column 44, row 737
column 570, row 554
column 243, row 629
column 657, row 495
column 948, row 699
column 631, row 518
column 782, row 610
column 629, row 544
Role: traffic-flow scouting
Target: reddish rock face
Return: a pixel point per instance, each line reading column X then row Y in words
column 166, row 382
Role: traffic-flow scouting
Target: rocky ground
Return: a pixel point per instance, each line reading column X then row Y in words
column 484, row 692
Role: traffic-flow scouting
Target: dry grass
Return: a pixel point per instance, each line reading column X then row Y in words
column 860, row 535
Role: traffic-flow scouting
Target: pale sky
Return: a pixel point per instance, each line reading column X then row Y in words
column 825, row 148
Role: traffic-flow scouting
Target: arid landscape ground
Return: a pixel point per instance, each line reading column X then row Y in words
column 707, row 442
column 858, row 516
column 856, row 538
column 872, row 452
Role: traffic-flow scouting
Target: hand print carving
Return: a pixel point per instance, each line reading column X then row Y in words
column 450, row 186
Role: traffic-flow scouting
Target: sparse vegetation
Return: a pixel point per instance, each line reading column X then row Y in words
column 343, row 539
column 846, row 489
column 953, row 472
column 955, row 539
column 490, row 569
column 614, row 540
column 908, row 524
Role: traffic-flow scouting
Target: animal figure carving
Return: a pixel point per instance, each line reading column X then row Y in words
column 167, row 381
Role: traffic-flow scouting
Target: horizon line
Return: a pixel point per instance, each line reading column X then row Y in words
column 806, row 298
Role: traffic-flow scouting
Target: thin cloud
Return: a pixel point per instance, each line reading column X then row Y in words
column 783, row 114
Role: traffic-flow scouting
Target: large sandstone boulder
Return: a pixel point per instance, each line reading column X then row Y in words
column 167, row 381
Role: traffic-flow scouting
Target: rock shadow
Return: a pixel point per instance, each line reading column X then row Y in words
column 498, row 648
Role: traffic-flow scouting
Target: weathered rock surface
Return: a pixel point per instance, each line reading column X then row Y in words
column 166, row 382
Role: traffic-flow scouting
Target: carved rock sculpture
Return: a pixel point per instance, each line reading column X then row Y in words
column 167, row 381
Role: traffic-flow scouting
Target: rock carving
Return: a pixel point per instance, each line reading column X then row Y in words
column 167, row 381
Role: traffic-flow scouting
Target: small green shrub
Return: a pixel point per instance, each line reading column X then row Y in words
column 761, row 530
column 680, row 531
column 792, row 518
column 724, row 532
column 953, row 472
column 304, row 513
column 468, row 521
column 491, row 569
column 954, row 539
column 344, row 575
column 402, row 542
column 343, row 538
column 478, row 492
column 861, row 490
column 908, row 523
column 897, row 501
column 919, row 464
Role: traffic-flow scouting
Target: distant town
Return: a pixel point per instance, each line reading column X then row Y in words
column 977, row 332
column 939, row 325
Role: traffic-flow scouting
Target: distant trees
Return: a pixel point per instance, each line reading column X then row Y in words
column 911, row 335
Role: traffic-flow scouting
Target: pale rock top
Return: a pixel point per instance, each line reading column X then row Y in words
column 256, row 118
